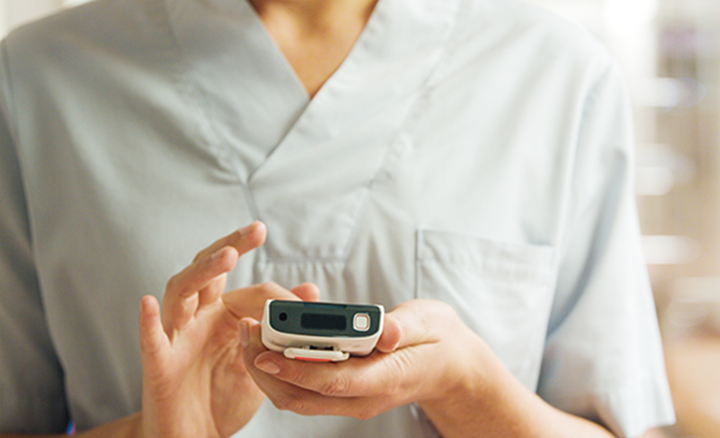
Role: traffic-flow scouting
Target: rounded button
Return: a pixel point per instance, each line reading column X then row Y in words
column 361, row 322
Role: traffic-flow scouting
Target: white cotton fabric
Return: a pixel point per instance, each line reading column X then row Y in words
column 477, row 152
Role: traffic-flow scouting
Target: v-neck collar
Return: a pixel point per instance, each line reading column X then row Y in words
column 251, row 94
column 247, row 9
column 394, row 54
column 311, row 160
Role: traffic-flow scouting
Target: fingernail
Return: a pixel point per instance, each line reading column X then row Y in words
column 268, row 367
column 244, row 333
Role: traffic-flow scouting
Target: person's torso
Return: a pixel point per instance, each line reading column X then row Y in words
column 435, row 163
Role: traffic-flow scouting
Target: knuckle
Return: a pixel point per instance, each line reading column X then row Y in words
column 269, row 289
column 146, row 348
column 297, row 405
column 403, row 363
column 337, row 386
column 173, row 283
column 250, row 236
column 290, row 402
column 389, row 388
column 236, row 236
column 294, row 375
column 279, row 401
column 199, row 255
column 365, row 413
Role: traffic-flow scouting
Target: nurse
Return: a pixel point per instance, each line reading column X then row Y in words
column 465, row 163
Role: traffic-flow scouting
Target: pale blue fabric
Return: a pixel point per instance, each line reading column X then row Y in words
column 477, row 152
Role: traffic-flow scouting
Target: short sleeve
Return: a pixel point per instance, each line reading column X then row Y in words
column 32, row 398
column 603, row 358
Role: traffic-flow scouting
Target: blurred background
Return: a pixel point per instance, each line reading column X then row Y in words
column 669, row 51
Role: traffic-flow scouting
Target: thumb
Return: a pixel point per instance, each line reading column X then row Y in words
column 413, row 323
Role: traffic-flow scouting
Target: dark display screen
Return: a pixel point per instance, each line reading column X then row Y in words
column 323, row 322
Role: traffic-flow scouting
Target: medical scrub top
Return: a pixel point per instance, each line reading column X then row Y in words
column 477, row 152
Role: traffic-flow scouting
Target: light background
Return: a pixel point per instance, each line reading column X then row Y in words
column 669, row 51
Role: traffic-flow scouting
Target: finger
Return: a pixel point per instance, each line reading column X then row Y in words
column 228, row 258
column 374, row 376
column 250, row 301
column 243, row 240
column 218, row 255
column 384, row 380
column 291, row 397
column 201, row 273
column 307, row 292
column 283, row 395
column 153, row 341
column 276, row 390
column 212, row 291
column 181, row 299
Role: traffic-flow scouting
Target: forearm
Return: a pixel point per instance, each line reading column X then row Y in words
column 496, row 404
column 128, row 427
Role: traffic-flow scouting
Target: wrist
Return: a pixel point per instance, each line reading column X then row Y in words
column 480, row 388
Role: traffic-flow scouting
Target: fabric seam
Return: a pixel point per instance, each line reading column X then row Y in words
column 200, row 99
column 409, row 118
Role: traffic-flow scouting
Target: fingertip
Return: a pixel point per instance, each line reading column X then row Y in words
column 259, row 226
column 149, row 306
column 255, row 234
column 151, row 330
column 307, row 292
column 391, row 335
column 267, row 363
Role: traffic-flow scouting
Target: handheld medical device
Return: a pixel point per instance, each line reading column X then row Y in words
column 321, row 331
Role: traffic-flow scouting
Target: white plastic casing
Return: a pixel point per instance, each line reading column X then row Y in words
column 317, row 348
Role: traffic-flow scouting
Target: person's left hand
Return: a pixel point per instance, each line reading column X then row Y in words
column 424, row 353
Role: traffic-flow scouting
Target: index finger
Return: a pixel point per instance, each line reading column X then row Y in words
column 243, row 240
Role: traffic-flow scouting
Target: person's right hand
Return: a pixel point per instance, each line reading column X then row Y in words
column 195, row 383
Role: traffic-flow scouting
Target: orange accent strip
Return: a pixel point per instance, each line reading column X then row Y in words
column 312, row 359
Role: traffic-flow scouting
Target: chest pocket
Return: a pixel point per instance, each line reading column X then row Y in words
column 502, row 291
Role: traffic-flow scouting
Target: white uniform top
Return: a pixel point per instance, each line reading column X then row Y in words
column 476, row 152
